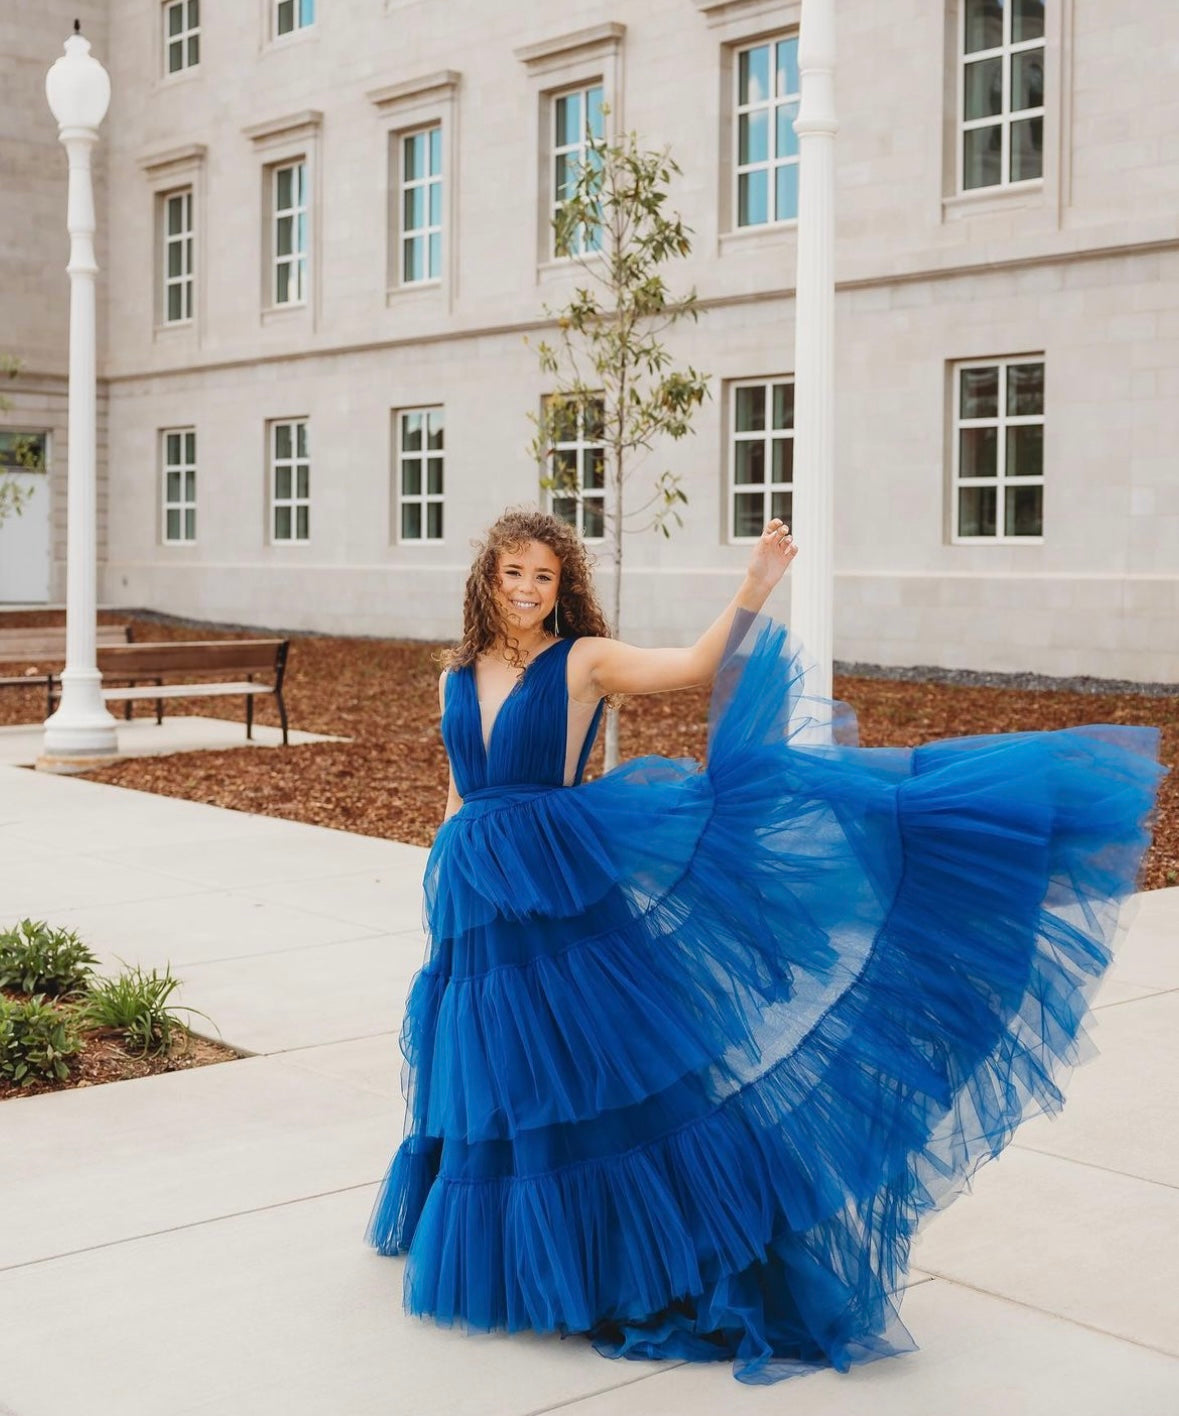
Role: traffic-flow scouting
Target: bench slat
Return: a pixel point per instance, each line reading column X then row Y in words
column 188, row 656
column 184, row 690
column 16, row 645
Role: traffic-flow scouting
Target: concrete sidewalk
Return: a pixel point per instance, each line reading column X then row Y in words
column 193, row 1242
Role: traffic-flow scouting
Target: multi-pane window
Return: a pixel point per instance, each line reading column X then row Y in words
column 420, row 456
column 761, row 464
column 290, row 480
column 578, row 121
column 999, row 450
column 177, row 258
column 182, row 35
column 1002, row 104
column 178, row 446
column 577, row 470
column 421, row 205
column 290, row 234
column 767, row 145
column 22, row 452
column 290, row 15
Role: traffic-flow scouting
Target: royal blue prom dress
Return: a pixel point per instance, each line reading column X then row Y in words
column 694, row 1049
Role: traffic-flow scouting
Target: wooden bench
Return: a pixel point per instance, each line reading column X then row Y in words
column 36, row 646
column 130, row 664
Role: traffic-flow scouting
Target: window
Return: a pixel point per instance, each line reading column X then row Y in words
column 291, row 15
column 290, row 234
column 178, row 447
column 577, row 471
column 767, row 145
column 182, row 35
column 22, row 452
column 290, row 481
column 421, row 206
column 577, row 120
column 1002, row 92
column 761, row 465
column 177, row 256
column 999, row 450
column 420, row 454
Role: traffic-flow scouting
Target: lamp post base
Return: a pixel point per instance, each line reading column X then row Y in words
column 65, row 766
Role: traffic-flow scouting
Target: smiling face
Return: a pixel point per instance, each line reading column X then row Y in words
column 527, row 578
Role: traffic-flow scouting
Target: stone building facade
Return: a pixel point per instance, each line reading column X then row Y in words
column 326, row 246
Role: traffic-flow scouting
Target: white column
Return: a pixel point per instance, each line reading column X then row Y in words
column 812, row 576
column 81, row 730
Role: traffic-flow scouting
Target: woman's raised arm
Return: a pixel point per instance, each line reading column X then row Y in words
column 609, row 666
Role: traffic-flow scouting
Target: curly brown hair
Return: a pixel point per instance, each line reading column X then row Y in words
column 577, row 612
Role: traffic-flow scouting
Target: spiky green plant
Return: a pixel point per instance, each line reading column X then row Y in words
column 37, row 959
column 135, row 1005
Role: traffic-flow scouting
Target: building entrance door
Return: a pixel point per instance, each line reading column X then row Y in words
column 25, row 538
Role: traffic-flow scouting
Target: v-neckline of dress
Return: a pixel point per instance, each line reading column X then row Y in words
column 486, row 741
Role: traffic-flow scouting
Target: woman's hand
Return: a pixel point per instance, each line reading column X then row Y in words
column 772, row 555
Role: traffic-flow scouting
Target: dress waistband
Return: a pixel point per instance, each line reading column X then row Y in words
column 486, row 797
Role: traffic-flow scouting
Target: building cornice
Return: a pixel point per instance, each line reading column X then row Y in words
column 719, row 12
column 162, row 163
column 716, row 302
column 305, row 123
column 554, row 53
column 441, row 84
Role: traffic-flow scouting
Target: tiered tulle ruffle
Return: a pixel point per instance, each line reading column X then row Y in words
column 695, row 1097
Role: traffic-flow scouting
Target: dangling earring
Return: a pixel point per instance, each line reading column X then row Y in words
column 557, row 619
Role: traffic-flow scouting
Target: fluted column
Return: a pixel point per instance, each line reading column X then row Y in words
column 812, row 593
column 81, row 731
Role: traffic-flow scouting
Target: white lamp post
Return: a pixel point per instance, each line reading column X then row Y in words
column 812, row 597
column 81, row 731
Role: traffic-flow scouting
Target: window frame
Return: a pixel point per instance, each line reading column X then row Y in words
column 768, row 435
column 405, row 233
column 579, row 445
column 1001, row 422
column 186, row 466
column 1004, row 52
column 186, row 237
column 299, row 26
column 184, row 37
column 294, row 502
column 558, row 150
column 773, row 161
column 167, row 173
column 299, row 259
column 423, row 498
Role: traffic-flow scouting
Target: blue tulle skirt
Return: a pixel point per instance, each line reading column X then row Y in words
column 695, row 1050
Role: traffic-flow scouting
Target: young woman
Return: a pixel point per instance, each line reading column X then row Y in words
column 695, row 1048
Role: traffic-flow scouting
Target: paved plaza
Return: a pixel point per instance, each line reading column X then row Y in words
column 193, row 1242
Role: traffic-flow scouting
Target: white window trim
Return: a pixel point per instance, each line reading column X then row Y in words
column 1001, row 423
column 406, row 108
column 432, row 179
column 425, row 498
column 185, row 280
column 1003, row 52
column 768, row 435
column 580, row 446
column 279, row 142
column 183, row 467
column 772, row 104
column 1053, row 189
column 558, row 150
column 268, row 27
column 167, row 173
column 294, row 501
column 166, row 41
column 297, row 260
column 579, row 59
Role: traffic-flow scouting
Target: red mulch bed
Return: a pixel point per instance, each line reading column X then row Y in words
column 390, row 780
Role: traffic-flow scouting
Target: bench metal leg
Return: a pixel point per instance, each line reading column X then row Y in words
column 159, row 706
column 282, row 714
column 250, row 716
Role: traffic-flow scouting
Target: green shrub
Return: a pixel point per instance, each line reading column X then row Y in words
column 36, row 1041
column 135, row 1005
column 37, row 959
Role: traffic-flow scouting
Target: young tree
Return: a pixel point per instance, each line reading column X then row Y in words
column 27, row 454
column 616, row 385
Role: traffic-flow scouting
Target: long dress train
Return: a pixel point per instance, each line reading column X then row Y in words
column 694, row 1049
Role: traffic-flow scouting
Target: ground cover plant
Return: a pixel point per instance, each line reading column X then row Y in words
column 390, row 779
column 61, row 1025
